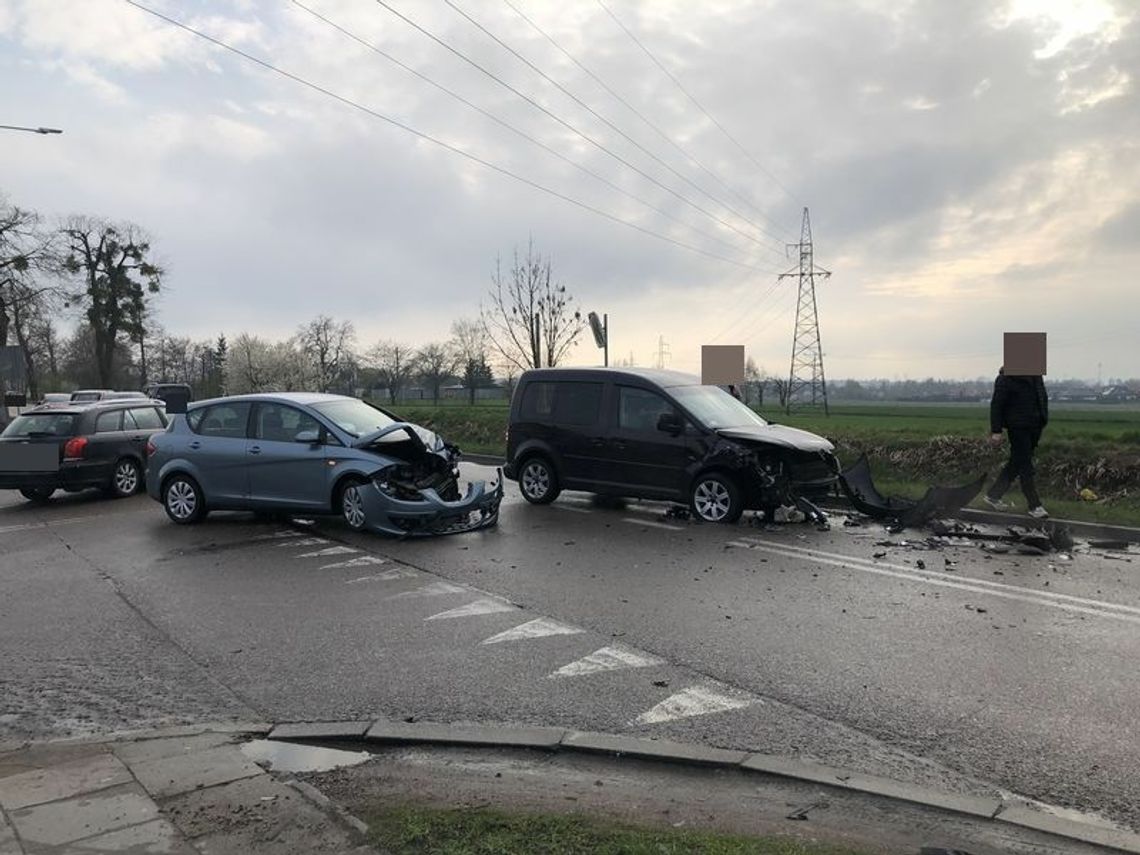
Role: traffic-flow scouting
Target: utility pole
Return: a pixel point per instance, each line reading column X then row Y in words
column 662, row 351
column 806, row 383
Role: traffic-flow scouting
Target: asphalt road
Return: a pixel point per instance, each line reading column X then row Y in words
column 1008, row 671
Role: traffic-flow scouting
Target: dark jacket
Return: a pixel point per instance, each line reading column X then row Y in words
column 1018, row 402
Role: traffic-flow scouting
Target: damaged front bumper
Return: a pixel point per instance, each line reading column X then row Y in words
column 431, row 515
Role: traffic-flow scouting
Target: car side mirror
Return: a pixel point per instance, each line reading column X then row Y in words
column 670, row 423
column 310, row 437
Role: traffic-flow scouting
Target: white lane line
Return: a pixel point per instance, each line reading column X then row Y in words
column 571, row 508
column 435, row 589
column 308, row 541
column 696, row 700
column 652, row 524
column 62, row 521
column 332, row 550
column 486, row 606
column 386, row 576
column 613, row 658
column 362, row 561
column 977, row 586
column 537, row 628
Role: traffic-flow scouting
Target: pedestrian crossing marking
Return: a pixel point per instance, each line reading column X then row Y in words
column 308, row 541
column 608, row 659
column 362, row 561
column 537, row 628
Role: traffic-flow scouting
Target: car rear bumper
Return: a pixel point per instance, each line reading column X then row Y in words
column 69, row 476
column 478, row 509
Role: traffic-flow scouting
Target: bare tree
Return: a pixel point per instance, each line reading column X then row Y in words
column 530, row 321
column 328, row 345
column 118, row 280
column 394, row 364
column 250, row 369
column 435, row 363
column 469, row 344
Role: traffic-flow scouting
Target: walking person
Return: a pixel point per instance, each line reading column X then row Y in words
column 1020, row 406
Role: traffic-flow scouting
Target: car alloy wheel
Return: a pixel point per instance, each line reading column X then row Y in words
column 538, row 482
column 715, row 499
column 183, row 500
column 352, row 505
column 125, row 481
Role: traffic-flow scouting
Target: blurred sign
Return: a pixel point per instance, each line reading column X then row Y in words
column 15, row 399
column 597, row 329
column 722, row 364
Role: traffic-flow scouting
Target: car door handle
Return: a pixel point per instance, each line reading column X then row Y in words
column 195, row 444
column 597, row 442
column 255, row 449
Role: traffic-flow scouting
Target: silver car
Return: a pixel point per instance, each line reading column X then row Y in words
column 307, row 454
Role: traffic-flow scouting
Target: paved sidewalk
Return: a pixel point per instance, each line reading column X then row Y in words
column 180, row 791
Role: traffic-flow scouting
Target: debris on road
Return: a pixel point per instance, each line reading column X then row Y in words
column 860, row 490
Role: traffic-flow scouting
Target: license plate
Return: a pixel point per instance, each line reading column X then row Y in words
column 29, row 456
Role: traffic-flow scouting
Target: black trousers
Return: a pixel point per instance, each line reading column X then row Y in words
column 1022, row 443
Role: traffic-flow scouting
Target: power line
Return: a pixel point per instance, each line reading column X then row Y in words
column 602, row 118
column 700, row 107
column 488, row 114
column 649, row 122
column 568, row 125
column 427, row 137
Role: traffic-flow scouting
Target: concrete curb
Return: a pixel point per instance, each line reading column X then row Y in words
column 554, row 739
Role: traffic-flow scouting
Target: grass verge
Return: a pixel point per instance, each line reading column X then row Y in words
column 407, row 830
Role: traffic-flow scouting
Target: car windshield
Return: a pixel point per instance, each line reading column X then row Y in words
column 41, row 424
column 715, row 408
column 354, row 416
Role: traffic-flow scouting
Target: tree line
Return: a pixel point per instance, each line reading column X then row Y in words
column 104, row 276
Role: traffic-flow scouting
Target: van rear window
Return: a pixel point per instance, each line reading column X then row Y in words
column 562, row 403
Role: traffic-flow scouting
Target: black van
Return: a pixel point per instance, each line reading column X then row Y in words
column 659, row 435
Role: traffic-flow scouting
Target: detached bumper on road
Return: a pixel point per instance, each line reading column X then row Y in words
column 430, row 516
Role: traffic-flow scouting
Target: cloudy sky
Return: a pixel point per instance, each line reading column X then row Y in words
column 971, row 167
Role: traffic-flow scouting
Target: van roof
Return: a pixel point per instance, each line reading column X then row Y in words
column 657, row 376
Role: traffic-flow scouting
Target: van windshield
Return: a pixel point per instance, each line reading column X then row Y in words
column 715, row 408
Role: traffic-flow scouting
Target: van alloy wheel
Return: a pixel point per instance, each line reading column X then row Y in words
column 538, row 482
column 716, row 499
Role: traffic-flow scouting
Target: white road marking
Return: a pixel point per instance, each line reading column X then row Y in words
column 278, row 535
column 99, row 518
column 652, row 524
column 435, row 589
column 332, row 550
column 362, row 561
column 607, row 659
column 308, row 541
column 386, row 576
column 576, row 510
column 486, row 606
column 1065, row 602
column 697, row 700
column 537, row 628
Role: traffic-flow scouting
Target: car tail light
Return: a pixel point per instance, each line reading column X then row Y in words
column 151, row 448
column 74, row 448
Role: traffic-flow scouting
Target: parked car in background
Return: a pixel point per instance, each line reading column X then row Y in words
column 75, row 446
column 650, row 434
column 54, row 398
column 309, row 453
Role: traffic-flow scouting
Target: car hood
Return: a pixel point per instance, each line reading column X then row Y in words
column 788, row 437
column 423, row 437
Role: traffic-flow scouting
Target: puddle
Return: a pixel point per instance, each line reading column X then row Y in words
column 294, row 757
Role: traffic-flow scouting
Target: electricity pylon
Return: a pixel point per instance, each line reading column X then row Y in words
column 806, row 383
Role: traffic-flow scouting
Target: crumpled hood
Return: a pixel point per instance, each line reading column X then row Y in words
column 788, row 437
column 424, row 437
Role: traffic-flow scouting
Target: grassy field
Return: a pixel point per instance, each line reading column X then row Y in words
column 911, row 446
column 416, row 830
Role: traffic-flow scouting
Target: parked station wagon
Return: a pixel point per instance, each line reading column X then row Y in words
column 659, row 435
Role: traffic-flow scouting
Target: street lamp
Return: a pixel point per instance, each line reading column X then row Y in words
column 30, row 130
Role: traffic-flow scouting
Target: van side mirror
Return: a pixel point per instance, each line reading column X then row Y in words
column 309, row 437
column 670, row 423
